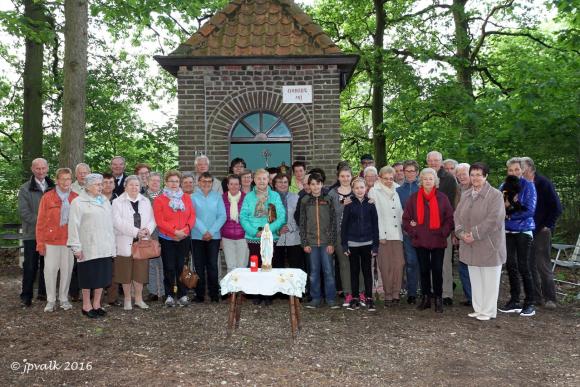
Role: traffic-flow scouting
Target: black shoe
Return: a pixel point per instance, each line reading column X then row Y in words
column 528, row 311
column 74, row 298
column 425, row 303
column 371, row 305
column 511, row 307
column 41, row 297
column 152, row 298
column 215, row 299
column 198, row 300
column 411, row 300
column 257, row 301
column 448, row 301
column 268, row 302
column 100, row 312
column 353, row 304
column 439, row 305
column 26, row 302
column 90, row 314
column 466, row 303
column 116, row 303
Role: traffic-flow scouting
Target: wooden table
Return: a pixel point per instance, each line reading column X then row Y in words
column 239, row 282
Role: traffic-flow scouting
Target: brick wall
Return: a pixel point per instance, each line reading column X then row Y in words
column 212, row 99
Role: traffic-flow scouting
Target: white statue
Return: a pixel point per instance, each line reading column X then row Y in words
column 267, row 248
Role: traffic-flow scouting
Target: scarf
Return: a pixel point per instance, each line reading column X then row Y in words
column 234, row 200
column 284, row 197
column 260, row 210
column 434, row 222
column 175, row 200
column 151, row 194
column 389, row 192
column 65, row 207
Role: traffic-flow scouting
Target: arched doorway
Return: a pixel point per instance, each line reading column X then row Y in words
column 262, row 139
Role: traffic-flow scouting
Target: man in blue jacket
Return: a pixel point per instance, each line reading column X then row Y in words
column 548, row 209
column 519, row 227
column 405, row 190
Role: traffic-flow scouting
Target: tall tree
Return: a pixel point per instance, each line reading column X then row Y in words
column 32, row 133
column 75, row 82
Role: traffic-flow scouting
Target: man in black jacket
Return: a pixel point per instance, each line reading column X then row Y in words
column 447, row 185
column 29, row 197
column 118, row 172
column 548, row 209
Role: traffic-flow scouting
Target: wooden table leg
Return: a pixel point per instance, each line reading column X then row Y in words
column 238, row 309
column 232, row 312
column 293, row 321
column 297, row 311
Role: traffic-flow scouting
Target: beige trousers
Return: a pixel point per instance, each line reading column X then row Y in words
column 57, row 258
column 391, row 263
column 484, row 289
column 448, row 270
column 236, row 253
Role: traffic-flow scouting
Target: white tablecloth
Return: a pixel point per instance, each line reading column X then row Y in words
column 287, row 281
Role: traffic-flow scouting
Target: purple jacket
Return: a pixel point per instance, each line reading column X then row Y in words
column 232, row 229
column 421, row 235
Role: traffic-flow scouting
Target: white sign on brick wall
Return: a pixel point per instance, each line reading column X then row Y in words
column 297, row 94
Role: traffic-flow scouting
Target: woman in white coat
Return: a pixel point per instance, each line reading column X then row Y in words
column 133, row 220
column 390, row 257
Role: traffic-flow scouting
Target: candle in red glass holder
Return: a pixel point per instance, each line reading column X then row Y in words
column 254, row 263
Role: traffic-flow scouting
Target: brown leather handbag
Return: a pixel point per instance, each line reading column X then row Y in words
column 145, row 249
column 187, row 277
column 272, row 214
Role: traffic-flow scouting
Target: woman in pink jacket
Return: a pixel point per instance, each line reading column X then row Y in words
column 234, row 243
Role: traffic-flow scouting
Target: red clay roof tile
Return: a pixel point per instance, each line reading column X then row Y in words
column 259, row 28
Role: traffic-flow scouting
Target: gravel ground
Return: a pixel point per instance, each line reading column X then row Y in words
column 188, row 346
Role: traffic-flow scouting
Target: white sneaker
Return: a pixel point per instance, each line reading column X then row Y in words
column 65, row 305
column 142, row 305
column 169, row 301
column 474, row 314
column 183, row 301
column 127, row 305
column 482, row 317
column 49, row 307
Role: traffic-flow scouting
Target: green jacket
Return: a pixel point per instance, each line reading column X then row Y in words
column 317, row 221
column 251, row 223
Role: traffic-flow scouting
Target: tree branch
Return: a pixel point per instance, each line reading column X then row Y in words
column 183, row 29
column 504, row 90
column 418, row 13
column 485, row 33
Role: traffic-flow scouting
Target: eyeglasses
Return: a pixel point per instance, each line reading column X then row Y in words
column 206, row 181
column 410, row 171
column 388, row 178
column 173, row 181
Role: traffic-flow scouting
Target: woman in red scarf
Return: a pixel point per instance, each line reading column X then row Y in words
column 428, row 219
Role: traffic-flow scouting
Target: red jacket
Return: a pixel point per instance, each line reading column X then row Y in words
column 421, row 235
column 48, row 230
column 168, row 220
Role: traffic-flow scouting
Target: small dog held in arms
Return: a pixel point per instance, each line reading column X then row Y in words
column 511, row 188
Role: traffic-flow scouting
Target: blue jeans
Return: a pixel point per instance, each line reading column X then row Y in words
column 411, row 266
column 320, row 259
column 465, row 282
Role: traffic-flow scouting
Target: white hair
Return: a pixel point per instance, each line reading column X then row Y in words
column 118, row 158
column 514, row 160
column 202, row 157
column 451, row 161
column 435, row 153
column 462, row 166
column 80, row 165
column 426, row 171
column 39, row 160
column 370, row 169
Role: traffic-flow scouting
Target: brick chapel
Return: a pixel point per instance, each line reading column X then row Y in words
column 261, row 81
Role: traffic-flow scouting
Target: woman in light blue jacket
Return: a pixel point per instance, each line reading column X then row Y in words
column 205, row 236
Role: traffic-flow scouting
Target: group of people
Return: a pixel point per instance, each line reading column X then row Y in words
column 395, row 230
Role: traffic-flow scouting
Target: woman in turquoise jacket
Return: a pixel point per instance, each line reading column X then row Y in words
column 256, row 211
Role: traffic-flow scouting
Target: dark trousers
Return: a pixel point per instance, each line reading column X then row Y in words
column 173, row 256
column 431, row 266
column 518, row 265
column 361, row 257
column 289, row 256
column 205, row 259
column 73, row 290
column 32, row 266
column 541, row 266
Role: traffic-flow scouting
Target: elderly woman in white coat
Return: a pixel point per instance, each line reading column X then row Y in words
column 133, row 219
column 92, row 241
column 480, row 227
column 390, row 257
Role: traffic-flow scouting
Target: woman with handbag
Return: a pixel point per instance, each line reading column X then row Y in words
column 133, row 221
column 175, row 218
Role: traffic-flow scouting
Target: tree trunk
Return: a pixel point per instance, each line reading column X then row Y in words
column 32, row 131
column 75, row 81
column 378, row 81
